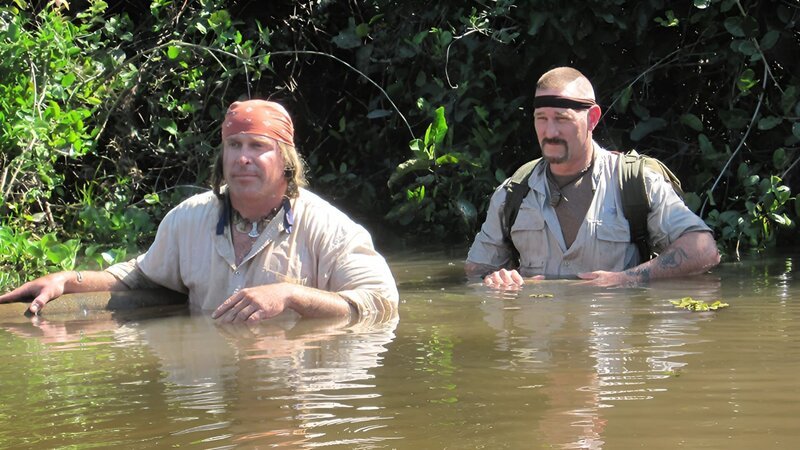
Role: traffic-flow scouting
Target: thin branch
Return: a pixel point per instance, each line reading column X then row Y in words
column 385, row 94
column 710, row 192
column 760, row 52
column 788, row 169
column 447, row 55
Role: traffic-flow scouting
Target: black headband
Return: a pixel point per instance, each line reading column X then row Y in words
column 557, row 101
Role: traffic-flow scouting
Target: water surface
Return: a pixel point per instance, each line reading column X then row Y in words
column 555, row 365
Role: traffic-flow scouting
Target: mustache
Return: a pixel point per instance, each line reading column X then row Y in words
column 554, row 141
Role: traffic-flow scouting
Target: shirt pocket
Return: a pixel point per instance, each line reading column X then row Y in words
column 529, row 236
column 613, row 240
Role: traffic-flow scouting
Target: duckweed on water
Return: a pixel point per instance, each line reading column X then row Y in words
column 691, row 304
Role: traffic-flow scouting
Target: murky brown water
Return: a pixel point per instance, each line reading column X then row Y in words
column 464, row 367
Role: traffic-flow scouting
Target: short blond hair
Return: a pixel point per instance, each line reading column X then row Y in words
column 561, row 77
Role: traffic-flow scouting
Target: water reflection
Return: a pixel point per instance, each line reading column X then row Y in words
column 594, row 346
column 278, row 383
column 554, row 365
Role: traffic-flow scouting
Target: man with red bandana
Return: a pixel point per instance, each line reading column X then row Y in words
column 571, row 223
column 258, row 245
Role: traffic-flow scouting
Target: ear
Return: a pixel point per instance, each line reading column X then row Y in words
column 594, row 116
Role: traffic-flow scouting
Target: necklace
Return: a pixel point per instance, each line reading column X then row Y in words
column 241, row 224
column 556, row 187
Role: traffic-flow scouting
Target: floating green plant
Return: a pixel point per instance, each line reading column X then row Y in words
column 691, row 304
column 541, row 296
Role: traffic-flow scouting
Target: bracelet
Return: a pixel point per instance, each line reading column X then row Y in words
column 79, row 276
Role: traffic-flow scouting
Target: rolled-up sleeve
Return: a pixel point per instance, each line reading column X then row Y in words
column 159, row 266
column 669, row 217
column 358, row 273
column 489, row 247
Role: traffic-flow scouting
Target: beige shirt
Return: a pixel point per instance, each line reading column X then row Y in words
column 603, row 239
column 325, row 250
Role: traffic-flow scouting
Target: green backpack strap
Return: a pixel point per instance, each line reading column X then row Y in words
column 635, row 204
column 516, row 190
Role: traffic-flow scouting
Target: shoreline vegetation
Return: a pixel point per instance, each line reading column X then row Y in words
column 410, row 113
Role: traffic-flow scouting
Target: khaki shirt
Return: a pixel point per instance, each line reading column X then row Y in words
column 603, row 240
column 325, row 250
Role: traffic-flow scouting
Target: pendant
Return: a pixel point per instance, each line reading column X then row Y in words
column 254, row 231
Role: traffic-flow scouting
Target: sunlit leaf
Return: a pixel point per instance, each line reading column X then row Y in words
column 173, row 52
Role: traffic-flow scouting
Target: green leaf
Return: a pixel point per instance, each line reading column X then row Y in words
column 645, row 127
column 746, row 80
column 347, row 39
column 779, row 158
column 706, row 147
column 438, row 129
column 702, row 4
column 173, row 52
column 734, row 119
column 692, row 121
column 378, row 113
column 58, row 253
column 796, row 130
column 169, row 126
column 404, row 168
column 734, row 26
column 362, row 30
column 769, row 40
column 788, row 99
column 624, row 99
column 769, row 122
column 68, row 80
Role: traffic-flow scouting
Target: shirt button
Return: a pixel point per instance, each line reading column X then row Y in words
column 236, row 273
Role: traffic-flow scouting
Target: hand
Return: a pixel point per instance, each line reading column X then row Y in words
column 42, row 290
column 504, row 279
column 255, row 303
column 606, row 279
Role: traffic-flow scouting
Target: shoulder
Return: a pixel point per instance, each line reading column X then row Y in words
column 321, row 216
column 200, row 200
column 198, row 205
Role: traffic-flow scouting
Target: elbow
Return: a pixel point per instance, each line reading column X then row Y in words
column 713, row 257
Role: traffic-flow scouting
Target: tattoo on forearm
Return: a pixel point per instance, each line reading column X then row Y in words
column 642, row 275
column 672, row 259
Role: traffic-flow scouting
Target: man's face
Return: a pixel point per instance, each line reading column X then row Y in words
column 562, row 133
column 253, row 166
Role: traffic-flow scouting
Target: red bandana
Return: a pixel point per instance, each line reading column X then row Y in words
column 259, row 117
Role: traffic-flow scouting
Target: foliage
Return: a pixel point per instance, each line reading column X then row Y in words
column 690, row 304
column 110, row 111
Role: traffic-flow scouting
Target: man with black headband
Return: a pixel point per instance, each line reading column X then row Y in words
column 257, row 246
column 571, row 224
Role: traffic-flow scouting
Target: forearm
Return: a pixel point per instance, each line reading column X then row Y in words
column 478, row 270
column 310, row 302
column 90, row 281
column 691, row 254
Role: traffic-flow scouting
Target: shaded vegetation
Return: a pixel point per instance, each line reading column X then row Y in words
column 408, row 112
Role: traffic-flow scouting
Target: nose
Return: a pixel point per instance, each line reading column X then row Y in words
column 550, row 129
column 243, row 159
